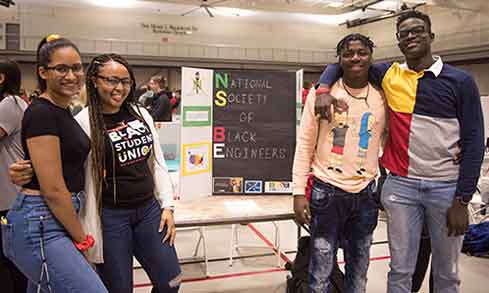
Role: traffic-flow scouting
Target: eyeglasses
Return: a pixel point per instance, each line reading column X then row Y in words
column 415, row 31
column 113, row 81
column 63, row 69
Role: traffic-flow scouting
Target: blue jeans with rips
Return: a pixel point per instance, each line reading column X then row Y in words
column 409, row 202
column 129, row 232
column 38, row 244
column 341, row 219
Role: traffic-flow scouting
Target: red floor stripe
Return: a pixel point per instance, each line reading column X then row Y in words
column 380, row 258
column 217, row 277
column 226, row 276
column 234, row 275
column 268, row 242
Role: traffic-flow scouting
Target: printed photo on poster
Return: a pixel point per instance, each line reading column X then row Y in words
column 278, row 187
column 227, row 185
column 196, row 158
column 253, row 186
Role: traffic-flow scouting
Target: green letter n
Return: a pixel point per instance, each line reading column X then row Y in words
column 222, row 81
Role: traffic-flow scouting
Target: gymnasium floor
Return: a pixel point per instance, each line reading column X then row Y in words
column 256, row 270
column 261, row 274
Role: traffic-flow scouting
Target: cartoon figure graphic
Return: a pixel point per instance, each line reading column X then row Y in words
column 364, row 134
column 340, row 116
column 197, row 82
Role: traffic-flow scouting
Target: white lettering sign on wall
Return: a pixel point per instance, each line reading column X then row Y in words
column 169, row 28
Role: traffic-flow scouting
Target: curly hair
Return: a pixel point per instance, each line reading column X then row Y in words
column 344, row 43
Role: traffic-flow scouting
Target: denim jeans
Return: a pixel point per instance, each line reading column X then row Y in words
column 11, row 278
column 38, row 244
column 408, row 203
column 129, row 232
column 422, row 262
column 341, row 219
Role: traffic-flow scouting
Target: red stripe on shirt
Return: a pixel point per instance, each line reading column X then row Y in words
column 396, row 157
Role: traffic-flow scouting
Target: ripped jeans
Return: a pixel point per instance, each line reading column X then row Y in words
column 341, row 219
column 36, row 242
column 134, row 231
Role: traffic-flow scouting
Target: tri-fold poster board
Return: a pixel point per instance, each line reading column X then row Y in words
column 238, row 131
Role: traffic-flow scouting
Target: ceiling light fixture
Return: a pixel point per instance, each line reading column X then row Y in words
column 334, row 4
column 230, row 11
column 6, row 3
column 115, row 3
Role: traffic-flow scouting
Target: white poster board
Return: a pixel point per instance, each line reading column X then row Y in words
column 299, row 84
column 196, row 133
column 485, row 109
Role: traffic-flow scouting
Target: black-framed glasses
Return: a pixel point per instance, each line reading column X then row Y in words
column 63, row 69
column 415, row 31
column 113, row 81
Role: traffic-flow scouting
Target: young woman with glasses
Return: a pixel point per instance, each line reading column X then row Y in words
column 128, row 178
column 43, row 234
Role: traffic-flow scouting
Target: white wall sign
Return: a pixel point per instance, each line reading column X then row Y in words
column 170, row 28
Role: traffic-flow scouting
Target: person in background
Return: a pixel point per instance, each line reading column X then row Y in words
column 343, row 156
column 47, row 240
column 178, row 99
column 174, row 101
column 144, row 95
column 24, row 95
column 160, row 106
column 484, row 191
column 34, row 94
column 12, row 109
column 78, row 102
column 306, row 87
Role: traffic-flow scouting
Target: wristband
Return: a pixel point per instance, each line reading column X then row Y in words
column 86, row 244
column 170, row 208
column 322, row 90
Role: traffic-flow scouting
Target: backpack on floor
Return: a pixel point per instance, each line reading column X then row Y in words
column 476, row 240
column 298, row 281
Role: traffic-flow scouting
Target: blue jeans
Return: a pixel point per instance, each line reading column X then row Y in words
column 37, row 243
column 340, row 218
column 11, row 278
column 408, row 203
column 129, row 232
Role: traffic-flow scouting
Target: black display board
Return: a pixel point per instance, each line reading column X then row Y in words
column 254, row 131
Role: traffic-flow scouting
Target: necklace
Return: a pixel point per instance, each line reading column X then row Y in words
column 352, row 95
